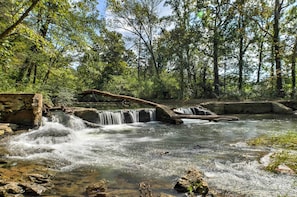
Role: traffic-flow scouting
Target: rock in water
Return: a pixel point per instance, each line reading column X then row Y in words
column 145, row 190
column 192, row 182
column 97, row 190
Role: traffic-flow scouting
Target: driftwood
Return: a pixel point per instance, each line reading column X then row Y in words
column 163, row 112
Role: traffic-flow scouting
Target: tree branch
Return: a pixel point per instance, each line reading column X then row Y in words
column 13, row 26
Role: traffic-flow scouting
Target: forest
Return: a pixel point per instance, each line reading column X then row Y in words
column 155, row 49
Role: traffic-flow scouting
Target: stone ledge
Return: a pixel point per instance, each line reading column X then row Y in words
column 248, row 107
column 24, row 110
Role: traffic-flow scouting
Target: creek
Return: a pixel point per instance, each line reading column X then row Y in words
column 126, row 154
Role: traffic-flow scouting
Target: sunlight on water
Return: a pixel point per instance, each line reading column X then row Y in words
column 160, row 150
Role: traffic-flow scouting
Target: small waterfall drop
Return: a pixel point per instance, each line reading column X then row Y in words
column 126, row 116
column 184, row 111
column 70, row 121
column 108, row 117
column 198, row 110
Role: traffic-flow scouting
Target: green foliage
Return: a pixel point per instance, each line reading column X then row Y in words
column 288, row 141
column 63, row 47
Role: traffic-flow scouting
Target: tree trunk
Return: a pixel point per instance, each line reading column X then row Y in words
column 240, row 64
column 260, row 61
column 205, row 92
column 293, row 68
column 181, row 78
column 216, row 82
column 277, row 48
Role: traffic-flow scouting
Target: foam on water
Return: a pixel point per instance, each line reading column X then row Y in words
column 152, row 149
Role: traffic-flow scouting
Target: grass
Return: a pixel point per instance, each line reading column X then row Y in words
column 287, row 142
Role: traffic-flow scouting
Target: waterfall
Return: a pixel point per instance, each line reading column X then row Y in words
column 126, row 116
column 184, row 110
column 108, row 117
column 194, row 111
column 69, row 121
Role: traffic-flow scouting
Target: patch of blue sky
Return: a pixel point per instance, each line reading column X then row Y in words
column 102, row 8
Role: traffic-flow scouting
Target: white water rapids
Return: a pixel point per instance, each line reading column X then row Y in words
column 161, row 150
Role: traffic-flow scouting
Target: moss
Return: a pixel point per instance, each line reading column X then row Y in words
column 284, row 157
column 287, row 142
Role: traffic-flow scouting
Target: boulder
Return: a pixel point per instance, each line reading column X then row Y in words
column 284, row 169
column 192, row 182
column 88, row 114
column 7, row 128
column 21, row 109
column 21, row 188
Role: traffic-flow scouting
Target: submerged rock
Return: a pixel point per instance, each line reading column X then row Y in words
column 98, row 189
column 192, row 182
column 7, row 128
column 22, row 179
column 20, row 189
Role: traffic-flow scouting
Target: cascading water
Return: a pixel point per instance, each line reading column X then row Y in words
column 107, row 118
column 194, row 111
column 159, row 150
column 124, row 116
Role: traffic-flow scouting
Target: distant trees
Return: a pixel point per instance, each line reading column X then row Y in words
column 199, row 49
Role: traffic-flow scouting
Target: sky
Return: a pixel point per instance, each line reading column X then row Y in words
column 102, row 7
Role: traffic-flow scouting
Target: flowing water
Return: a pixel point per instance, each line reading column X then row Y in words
column 156, row 151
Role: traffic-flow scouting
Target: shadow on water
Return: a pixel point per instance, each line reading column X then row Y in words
column 126, row 154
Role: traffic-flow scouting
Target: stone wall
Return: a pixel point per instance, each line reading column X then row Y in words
column 25, row 110
column 248, row 107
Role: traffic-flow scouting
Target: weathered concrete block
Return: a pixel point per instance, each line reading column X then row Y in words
column 279, row 108
column 144, row 116
column 216, row 107
column 21, row 109
column 248, row 107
